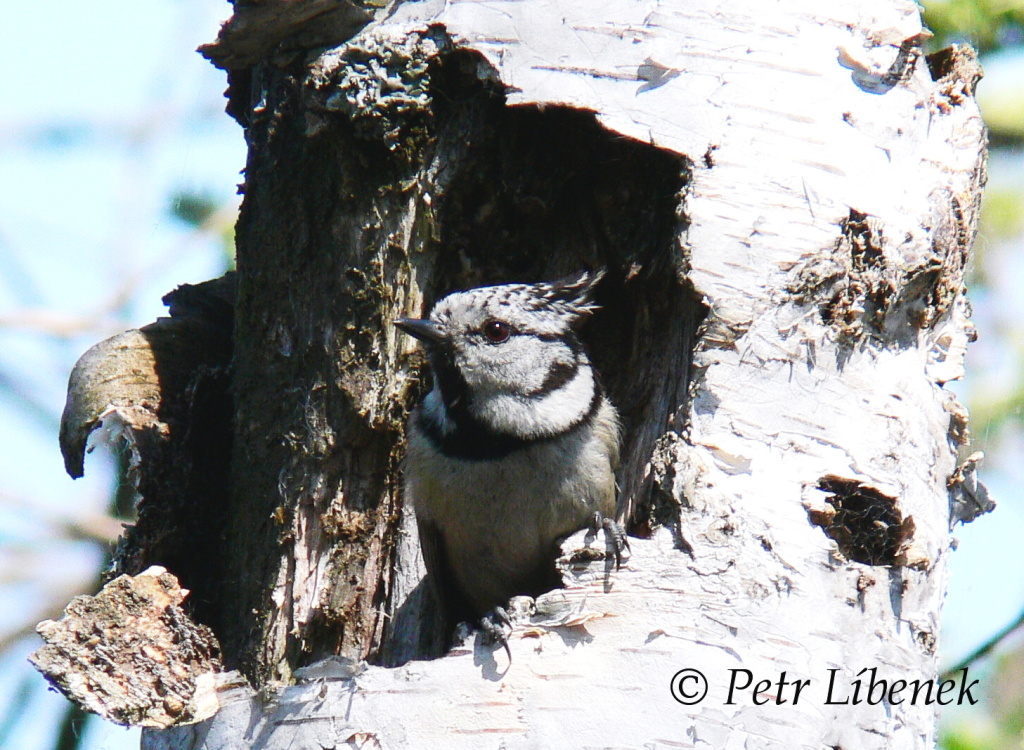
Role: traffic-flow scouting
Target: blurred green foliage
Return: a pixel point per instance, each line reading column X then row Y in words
column 1002, row 725
column 996, row 410
column 1004, row 114
column 973, row 736
column 206, row 213
column 1002, row 213
column 989, row 25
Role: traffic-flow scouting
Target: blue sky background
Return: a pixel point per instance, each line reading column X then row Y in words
column 106, row 113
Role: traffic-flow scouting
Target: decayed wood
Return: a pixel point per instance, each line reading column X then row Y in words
column 140, row 377
column 163, row 389
column 132, row 655
column 260, row 29
column 644, row 656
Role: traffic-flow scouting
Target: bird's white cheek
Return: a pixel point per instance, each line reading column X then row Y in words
column 549, row 414
column 493, row 369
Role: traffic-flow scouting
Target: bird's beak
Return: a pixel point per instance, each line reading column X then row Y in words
column 422, row 329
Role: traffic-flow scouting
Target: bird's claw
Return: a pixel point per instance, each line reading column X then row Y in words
column 497, row 626
column 614, row 533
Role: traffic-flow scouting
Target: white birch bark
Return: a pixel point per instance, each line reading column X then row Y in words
column 797, row 121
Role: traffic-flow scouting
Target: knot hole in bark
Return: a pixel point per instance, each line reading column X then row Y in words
column 865, row 523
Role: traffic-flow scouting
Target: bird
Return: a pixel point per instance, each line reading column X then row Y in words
column 514, row 447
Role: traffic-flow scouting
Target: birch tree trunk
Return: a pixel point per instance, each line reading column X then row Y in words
column 784, row 195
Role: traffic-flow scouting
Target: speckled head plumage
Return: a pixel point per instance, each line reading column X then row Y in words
column 508, row 367
column 544, row 308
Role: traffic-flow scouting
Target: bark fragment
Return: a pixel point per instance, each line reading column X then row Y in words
column 957, row 71
column 132, row 655
column 263, row 28
column 968, row 496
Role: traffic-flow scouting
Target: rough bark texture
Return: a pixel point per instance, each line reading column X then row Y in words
column 784, row 196
column 132, row 655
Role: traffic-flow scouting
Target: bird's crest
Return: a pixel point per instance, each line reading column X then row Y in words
column 572, row 296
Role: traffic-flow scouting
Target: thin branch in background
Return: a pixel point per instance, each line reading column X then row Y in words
column 50, row 605
column 74, row 720
column 72, row 728
column 216, row 223
column 14, row 636
column 984, row 649
column 101, row 528
column 106, row 318
column 56, row 324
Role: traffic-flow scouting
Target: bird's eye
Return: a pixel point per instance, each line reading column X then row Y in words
column 497, row 331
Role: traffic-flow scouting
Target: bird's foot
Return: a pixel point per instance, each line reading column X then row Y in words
column 614, row 534
column 496, row 626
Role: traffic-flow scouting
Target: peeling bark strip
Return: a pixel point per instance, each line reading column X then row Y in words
column 285, row 28
column 164, row 390
column 131, row 655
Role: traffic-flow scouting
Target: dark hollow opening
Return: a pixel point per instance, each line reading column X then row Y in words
column 536, row 194
column 865, row 523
